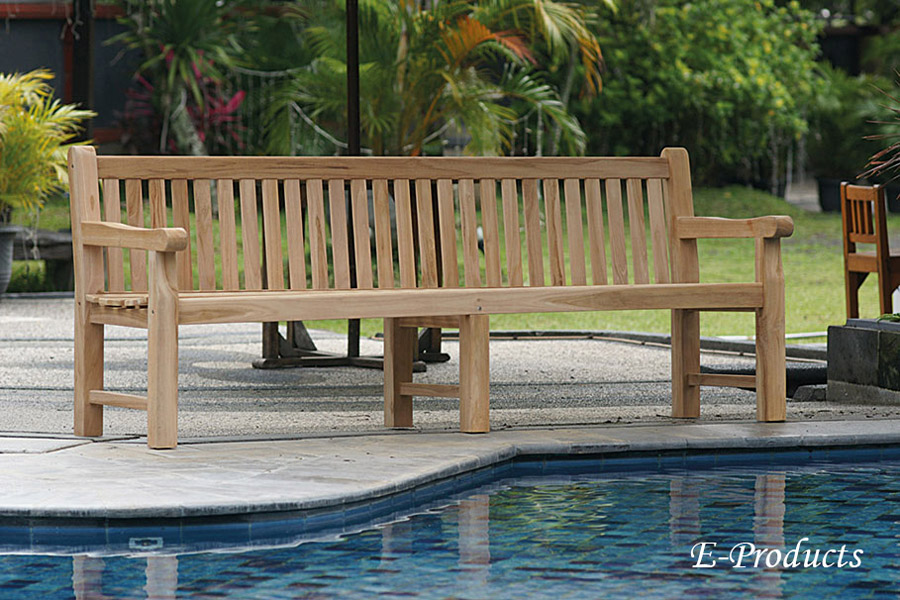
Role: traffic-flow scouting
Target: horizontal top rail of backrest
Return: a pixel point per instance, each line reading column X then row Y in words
column 321, row 167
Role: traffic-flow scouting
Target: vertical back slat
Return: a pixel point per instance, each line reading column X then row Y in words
column 575, row 231
column 250, row 235
column 340, row 248
column 362, row 244
column 134, row 213
column 427, row 250
column 447, row 220
column 658, row 231
column 406, row 251
column 181, row 218
column 616, row 231
column 112, row 209
column 206, row 254
column 490, row 227
column 638, row 231
column 227, row 234
column 384, row 249
column 511, row 232
column 593, row 200
column 272, row 235
column 533, row 232
column 293, row 214
column 158, row 203
column 469, row 226
column 553, row 216
column 318, row 251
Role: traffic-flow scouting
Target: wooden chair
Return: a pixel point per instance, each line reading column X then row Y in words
column 864, row 212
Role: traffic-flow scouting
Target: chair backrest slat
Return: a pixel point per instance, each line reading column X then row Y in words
column 469, row 225
column 575, row 231
column 134, row 213
column 406, row 247
column 293, row 215
column 362, row 243
column 272, row 235
column 427, row 247
column 533, row 239
column 658, row 235
column 593, row 200
column 555, row 243
column 206, row 253
column 250, row 236
column 318, row 249
column 228, row 234
column 384, row 249
column 511, row 232
column 112, row 212
column 447, row 221
column 616, row 231
column 491, row 232
column 181, row 217
column 638, row 231
column 340, row 247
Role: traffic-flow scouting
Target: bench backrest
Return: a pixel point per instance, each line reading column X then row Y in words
column 283, row 223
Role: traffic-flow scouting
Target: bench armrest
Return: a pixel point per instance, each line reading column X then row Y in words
column 717, row 227
column 117, row 235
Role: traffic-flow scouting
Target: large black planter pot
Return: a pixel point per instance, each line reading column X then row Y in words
column 864, row 362
column 7, row 237
column 829, row 194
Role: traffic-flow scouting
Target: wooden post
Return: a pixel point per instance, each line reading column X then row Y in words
column 399, row 351
column 162, row 350
column 474, row 374
column 771, row 390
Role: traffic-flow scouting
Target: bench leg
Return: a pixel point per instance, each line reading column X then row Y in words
column 474, row 374
column 162, row 358
column 685, row 360
column 771, row 385
column 399, row 351
column 88, row 373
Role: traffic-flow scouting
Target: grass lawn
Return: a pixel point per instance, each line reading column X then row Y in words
column 812, row 264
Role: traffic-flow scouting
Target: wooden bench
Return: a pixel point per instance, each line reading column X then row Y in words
column 200, row 230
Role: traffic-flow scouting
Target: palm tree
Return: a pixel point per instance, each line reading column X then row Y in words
column 470, row 64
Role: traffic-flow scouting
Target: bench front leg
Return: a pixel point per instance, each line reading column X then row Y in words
column 685, row 360
column 162, row 352
column 88, row 372
column 399, row 351
column 771, row 385
column 474, row 374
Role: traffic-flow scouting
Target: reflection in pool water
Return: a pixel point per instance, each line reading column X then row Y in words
column 580, row 535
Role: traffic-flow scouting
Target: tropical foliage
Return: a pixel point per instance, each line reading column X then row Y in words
column 35, row 134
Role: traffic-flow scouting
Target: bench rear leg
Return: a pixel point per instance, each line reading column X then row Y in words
column 771, row 385
column 399, row 351
column 162, row 354
column 474, row 374
column 685, row 360
column 88, row 375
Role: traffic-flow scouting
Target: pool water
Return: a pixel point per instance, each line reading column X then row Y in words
column 583, row 532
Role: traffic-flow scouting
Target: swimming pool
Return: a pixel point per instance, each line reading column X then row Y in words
column 620, row 528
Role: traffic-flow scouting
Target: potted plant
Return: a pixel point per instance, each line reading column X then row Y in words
column 884, row 165
column 35, row 134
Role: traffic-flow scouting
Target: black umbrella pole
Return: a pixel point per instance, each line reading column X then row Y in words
column 353, row 148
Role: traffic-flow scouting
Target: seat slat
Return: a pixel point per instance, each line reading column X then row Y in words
column 616, row 231
column 658, row 231
column 227, row 234
column 533, row 232
column 250, row 236
column 447, row 221
column 427, row 242
column 491, row 232
column 181, row 218
column 362, row 244
column 134, row 209
column 293, row 215
column 206, row 259
column 384, row 249
column 575, row 232
column 469, row 226
column 272, row 235
column 511, row 232
column 318, row 251
column 406, row 252
column 555, row 244
column 115, row 265
column 340, row 246
column 638, row 231
column 593, row 200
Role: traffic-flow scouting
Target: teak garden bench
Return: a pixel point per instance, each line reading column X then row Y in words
column 188, row 221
